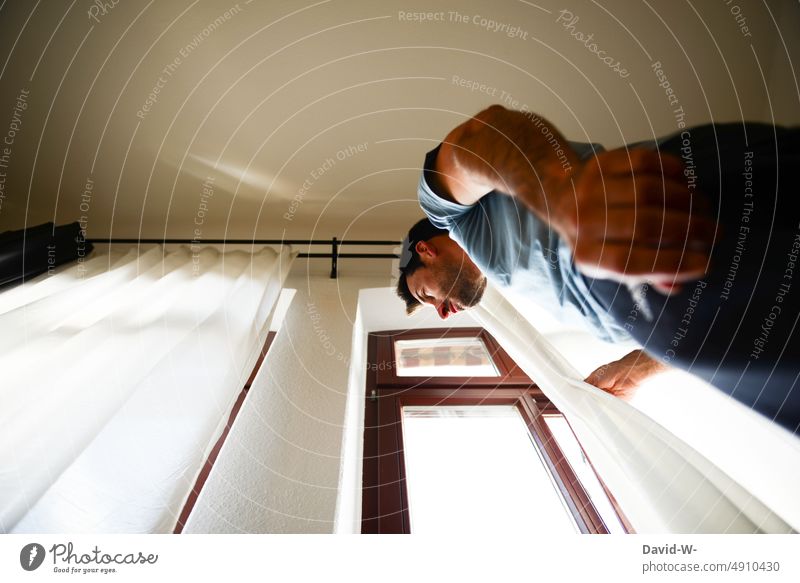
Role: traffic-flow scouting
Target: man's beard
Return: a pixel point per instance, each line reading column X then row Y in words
column 462, row 289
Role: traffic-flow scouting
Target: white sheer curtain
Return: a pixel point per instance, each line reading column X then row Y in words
column 662, row 484
column 118, row 376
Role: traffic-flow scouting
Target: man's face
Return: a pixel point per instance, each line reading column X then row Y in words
column 448, row 280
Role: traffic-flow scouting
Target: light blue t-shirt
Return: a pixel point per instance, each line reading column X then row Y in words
column 515, row 249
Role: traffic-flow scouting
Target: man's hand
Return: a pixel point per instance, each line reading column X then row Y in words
column 629, row 216
column 622, row 377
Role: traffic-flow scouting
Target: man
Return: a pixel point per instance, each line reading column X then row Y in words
column 628, row 240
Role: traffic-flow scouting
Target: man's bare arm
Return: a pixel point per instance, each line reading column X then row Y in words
column 627, row 214
column 494, row 150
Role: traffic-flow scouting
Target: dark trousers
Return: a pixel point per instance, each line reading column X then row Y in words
column 738, row 327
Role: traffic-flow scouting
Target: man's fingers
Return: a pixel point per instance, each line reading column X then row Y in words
column 615, row 261
column 647, row 190
column 632, row 217
column 620, row 392
column 638, row 161
column 627, row 190
column 650, row 227
column 668, row 288
column 602, row 378
column 600, row 383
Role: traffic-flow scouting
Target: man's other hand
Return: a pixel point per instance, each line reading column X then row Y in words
column 622, row 377
column 629, row 216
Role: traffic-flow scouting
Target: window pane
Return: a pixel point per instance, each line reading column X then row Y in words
column 584, row 471
column 476, row 469
column 444, row 357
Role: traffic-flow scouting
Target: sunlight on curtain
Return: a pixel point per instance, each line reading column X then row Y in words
column 662, row 484
column 118, row 376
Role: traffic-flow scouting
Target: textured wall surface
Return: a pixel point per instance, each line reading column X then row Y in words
column 279, row 468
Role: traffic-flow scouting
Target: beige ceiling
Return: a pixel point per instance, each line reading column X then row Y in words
column 342, row 96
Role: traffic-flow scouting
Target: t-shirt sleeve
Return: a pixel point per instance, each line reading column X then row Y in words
column 442, row 213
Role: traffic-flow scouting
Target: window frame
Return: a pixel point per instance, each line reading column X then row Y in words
column 509, row 372
column 384, row 493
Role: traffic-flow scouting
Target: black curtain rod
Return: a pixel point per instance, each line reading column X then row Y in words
column 334, row 255
column 242, row 241
column 349, row 255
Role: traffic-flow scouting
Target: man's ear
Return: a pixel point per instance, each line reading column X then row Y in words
column 426, row 249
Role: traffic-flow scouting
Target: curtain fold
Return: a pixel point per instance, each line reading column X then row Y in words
column 117, row 374
column 662, row 484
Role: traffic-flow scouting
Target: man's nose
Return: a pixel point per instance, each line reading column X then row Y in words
column 441, row 309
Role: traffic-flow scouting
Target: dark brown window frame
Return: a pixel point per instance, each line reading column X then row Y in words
column 510, row 373
column 384, row 494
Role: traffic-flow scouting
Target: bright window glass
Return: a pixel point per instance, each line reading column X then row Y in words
column 444, row 357
column 584, row 471
column 476, row 469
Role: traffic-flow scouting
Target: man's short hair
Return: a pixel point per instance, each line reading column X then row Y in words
column 410, row 260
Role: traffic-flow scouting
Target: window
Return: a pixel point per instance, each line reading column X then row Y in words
column 459, row 458
column 443, row 357
column 458, row 439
